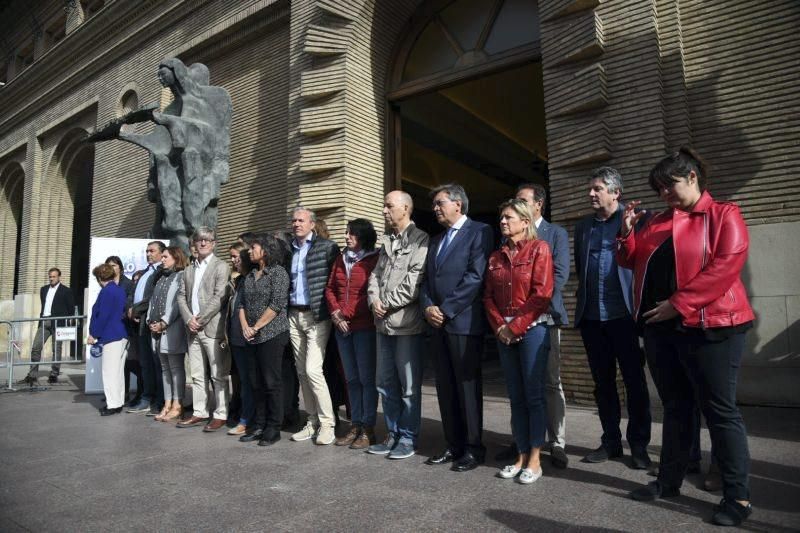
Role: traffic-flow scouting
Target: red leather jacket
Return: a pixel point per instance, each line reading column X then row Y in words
column 349, row 295
column 520, row 286
column 710, row 250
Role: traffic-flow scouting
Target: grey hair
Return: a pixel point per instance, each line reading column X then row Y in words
column 204, row 232
column 610, row 177
column 310, row 212
column 455, row 193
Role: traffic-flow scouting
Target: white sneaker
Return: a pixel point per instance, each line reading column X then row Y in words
column 528, row 476
column 509, row 472
column 308, row 432
column 325, row 436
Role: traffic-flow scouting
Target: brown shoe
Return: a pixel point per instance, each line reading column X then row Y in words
column 348, row 439
column 364, row 439
column 214, row 425
column 191, row 422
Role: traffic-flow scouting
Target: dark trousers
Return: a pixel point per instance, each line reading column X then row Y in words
column 46, row 329
column 152, row 386
column 264, row 369
column 685, row 367
column 291, row 385
column 608, row 344
column 459, row 388
column 132, row 368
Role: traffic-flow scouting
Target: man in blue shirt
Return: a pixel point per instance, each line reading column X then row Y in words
column 603, row 314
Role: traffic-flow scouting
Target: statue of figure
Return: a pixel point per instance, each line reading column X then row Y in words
column 189, row 149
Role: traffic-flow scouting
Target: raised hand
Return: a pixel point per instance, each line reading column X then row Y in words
column 630, row 216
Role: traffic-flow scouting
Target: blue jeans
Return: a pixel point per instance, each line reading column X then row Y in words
column 239, row 354
column 525, row 367
column 357, row 351
column 400, row 384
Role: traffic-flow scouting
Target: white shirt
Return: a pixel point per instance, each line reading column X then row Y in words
column 199, row 270
column 451, row 233
column 141, row 285
column 538, row 222
column 48, row 301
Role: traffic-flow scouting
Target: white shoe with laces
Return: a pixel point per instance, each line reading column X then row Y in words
column 528, row 476
column 325, row 436
column 308, row 432
column 509, row 472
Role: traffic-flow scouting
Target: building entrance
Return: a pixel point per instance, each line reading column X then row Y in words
column 467, row 105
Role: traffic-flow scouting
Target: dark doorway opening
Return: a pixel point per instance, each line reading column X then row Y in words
column 80, row 176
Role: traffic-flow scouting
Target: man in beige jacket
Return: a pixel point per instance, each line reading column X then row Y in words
column 201, row 298
column 393, row 293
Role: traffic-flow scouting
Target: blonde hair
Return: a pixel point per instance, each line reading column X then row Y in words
column 523, row 211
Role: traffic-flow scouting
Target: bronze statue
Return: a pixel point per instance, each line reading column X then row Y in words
column 189, row 149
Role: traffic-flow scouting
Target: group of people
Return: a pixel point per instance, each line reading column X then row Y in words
column 671, row 278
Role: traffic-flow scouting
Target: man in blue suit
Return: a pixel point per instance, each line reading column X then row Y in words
column 452, row 304
column 556, row 317
column 604, row 315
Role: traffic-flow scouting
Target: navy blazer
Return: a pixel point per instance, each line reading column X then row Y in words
column 557, row 238
column 108, row 311
column 456, row 286
column 581, row 249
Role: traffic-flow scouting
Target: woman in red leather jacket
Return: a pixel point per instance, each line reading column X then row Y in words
column 346, row 295
column 519, row 285
column 693, row 310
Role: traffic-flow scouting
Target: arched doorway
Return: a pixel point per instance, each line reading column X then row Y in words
column 12, row 182
column 466, row 104
column 68, row 192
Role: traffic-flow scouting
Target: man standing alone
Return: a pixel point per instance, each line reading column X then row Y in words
column 201, row 297
column 57, row 300
column 452, row 302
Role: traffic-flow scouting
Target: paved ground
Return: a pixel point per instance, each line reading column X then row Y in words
column 64, row 468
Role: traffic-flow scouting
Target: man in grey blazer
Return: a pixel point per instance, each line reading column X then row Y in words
column 201, row 298
column 556, row 236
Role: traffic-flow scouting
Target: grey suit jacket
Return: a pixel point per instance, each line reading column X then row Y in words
column 213, row 295
column 557, row 238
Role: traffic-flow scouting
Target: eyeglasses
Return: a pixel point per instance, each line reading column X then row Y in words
column 203, row 241
column 440, row 203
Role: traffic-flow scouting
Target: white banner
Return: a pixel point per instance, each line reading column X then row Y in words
column 66, row 334
column 132, row 254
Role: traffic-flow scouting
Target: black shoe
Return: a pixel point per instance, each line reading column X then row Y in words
column 29, row 380
column 269, row 439
column 249, row 437
column 466, row 463
column 558, row 457
column 640, row 460
column 509, row 453
column 155, row 410
column 603, row 454
column 52, row 379
column 105, row 411
column 447, row 456
column 731, row 513
column 653, row 491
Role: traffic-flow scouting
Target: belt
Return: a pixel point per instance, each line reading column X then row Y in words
column 300, row 307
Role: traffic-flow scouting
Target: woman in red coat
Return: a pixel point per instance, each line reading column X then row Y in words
column 519, row 285
column 346, row 295
column 693, row 310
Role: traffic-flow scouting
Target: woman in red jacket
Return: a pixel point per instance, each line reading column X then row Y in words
column 519, row 285
column 346, row 295
column 693, row 310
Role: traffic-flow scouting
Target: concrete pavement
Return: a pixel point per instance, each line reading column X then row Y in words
column 64, row 468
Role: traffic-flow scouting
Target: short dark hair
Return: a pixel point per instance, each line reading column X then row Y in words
column 539, row 192
column 103, row 272
column 177, row 253
column 161, row 245
column 678, row 164
column 364, row 231
column 272, row 249
column 247, row 237
column 610, row 177
column 54, row 269
column 116, row 260
column 455, row 193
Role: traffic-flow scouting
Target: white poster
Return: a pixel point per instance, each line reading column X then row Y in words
column 132, row 254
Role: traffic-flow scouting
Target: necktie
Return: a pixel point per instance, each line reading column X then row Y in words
column 447, row 238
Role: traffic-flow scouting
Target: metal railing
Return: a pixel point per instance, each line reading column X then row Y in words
column 66, row 330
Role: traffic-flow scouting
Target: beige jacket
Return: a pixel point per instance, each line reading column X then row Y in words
column 396, row 280
column 213, row 295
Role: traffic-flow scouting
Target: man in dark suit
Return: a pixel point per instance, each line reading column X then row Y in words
column 57, row 300
column 451, row 302
column 152, row 399
column 603, row 313
column 556, row 317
